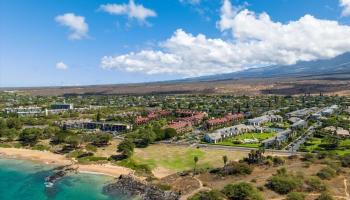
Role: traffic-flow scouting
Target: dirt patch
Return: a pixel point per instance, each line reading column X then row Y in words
column 182, row 184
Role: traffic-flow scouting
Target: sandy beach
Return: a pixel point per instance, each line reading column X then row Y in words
column 55, row 159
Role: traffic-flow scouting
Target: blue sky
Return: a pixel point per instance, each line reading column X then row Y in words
column 79, row 42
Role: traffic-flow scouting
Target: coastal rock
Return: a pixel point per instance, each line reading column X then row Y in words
column 130, row 186
column 59, row 173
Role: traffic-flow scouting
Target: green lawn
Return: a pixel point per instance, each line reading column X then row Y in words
column 344, row 146
column 259, row 136
column 312, row 144
column 179, row 158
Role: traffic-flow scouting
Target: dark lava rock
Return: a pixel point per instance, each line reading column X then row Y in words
column 130, row 186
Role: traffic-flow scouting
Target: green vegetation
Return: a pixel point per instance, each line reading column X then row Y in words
column 238, row 140
column 126, row 147
column 284, row 182
column 140, row 169
column 295, row 196
column 327, row 173
column 241, row 191
column 325, row 196
column 315, row 184
column 210, row 195
column 176, row 161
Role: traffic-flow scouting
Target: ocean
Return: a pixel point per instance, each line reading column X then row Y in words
column 24, row 180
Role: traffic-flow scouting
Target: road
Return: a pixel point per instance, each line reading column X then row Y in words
column 295, row 145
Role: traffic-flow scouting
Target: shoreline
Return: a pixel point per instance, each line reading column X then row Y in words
column 49, row 158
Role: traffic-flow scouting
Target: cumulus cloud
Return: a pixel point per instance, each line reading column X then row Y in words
column 75, row 23
column 61, row 66
column 256, row 41
column 132, row 10
column 346, row 7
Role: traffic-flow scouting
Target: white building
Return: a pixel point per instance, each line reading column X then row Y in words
column 24, row 111
column 264, row 119
column 223, row 133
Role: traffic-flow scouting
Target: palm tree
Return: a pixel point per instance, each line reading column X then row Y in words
column 195, row 159
column 224, row 158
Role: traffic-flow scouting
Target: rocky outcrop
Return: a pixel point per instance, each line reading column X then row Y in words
column 59, row 173
column 130, row 186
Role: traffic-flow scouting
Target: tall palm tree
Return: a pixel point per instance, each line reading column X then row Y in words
column 225, row 159
column 195, row 159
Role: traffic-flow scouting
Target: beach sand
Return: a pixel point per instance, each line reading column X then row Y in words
column 56, row 159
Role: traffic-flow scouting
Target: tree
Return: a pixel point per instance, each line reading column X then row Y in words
column 3, row 124
column 195, row 159
column 14, row 123
column 9, row 134
column 126, row 147
column 241, row 191
column 49, row 132
column 98, row 116
column 30, row 136
column 225, row 159
column 60, row 137
column 73, row 140
column 102, row 139
column 169, row 133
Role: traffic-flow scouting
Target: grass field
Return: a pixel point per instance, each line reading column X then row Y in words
column 343, row 148
column 259, row 136
column 179, row 158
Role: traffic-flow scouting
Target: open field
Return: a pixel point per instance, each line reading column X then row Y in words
column 328, row 84
column 177, row 158
column 343, row 148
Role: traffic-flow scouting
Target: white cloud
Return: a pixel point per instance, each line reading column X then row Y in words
column 192, row 2
column 346, row 7
column 75, row 23
column 61, row 66
column 256, row 41
column 132, row 10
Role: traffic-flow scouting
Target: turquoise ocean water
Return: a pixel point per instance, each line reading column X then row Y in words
column 24, row 180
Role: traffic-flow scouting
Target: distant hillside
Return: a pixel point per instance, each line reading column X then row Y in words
column 337, row 65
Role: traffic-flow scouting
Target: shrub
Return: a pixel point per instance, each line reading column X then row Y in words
column 295, row 196
column 91, row 147
column 41, row 147
column 210, row 195
column 236, row 168
column 315, row 184
column 326, row 173
column 284, row 183
column 325, row 196
column 345, row 160
column 241, row 191
column 140, row 169
column 309, row 157
column 87, row 159
column 163, row 186
column 75, row 154
column 4, row 145
column 277, row 161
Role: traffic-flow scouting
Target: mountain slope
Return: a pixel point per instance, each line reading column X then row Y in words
column 339, row 64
